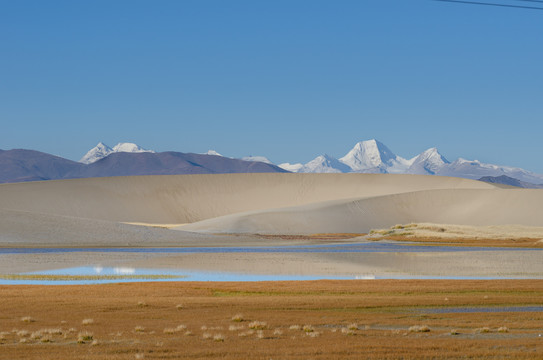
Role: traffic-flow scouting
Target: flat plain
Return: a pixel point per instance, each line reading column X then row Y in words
column 374, row 319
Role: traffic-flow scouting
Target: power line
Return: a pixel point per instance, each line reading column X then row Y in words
column 494, row 4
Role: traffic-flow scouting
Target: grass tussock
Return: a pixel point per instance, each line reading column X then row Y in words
column 87, row 322
column 482, row 330
column 46, row 339
column 23, row 333
column 179, row 306
column 419, row 328
column 258, row 325
column 295, row 327
column 218, row 338
column 27, row 319
column 235, row 327
column 237, row 318
column 308, row 329
column 139, row 329
column 84, row 337
column 503, row 329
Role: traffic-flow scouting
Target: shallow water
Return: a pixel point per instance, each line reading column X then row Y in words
column 485, row 309
column 369, row 247
column 190, row 275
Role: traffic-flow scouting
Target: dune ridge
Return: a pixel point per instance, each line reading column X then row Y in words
column 171, row 199
column 476, row 207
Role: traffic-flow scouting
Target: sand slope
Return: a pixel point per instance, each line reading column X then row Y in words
column 89, row 209
column 448, row 206
column 192, row 198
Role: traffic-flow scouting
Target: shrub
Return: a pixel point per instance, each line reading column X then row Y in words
column 258, row 325
column 84, row 336
column 218, row 338
column 308, row 329
column 419, row 328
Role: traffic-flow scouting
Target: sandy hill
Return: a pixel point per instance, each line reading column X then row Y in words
column 257, row 203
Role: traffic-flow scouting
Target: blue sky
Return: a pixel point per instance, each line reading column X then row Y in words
column 289, row 80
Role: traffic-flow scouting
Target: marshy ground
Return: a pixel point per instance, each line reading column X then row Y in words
column 280, row 320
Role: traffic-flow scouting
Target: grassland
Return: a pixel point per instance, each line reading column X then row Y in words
column 381, row 319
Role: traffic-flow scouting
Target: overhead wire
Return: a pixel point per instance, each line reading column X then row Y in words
column 496, row 4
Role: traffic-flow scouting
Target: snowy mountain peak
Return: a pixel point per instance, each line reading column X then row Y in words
column 257, row 158
column 291, row 167
column 429, row 162
column 96, row 153
column 212, row 152
column 130, row 148
column 102, row 150
column 372, row 154
column 325, row 164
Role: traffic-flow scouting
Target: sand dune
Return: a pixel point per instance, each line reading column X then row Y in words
column 191, row 198
column 447, row 206
column 90, row 209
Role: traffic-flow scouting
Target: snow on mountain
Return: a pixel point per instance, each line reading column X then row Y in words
column 130, row 148
column 324, row 164
column 101, row 150
column 98, row 152
column 474, row 169
column 212, row 152
column 291, row 167
column 370, row 156
column 257, row 158
column 374, row 156
column 429, row 162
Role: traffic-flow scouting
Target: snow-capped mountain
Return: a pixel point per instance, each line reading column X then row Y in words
column 101, row 150
column 369, row 156
column 429, row 162
column 324, row 164
column 98, row 152
column 212, row 152
column 257, row 158
column 374, row 156
column 474, row 169
column 291, row 167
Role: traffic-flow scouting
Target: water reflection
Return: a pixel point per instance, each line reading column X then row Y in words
column 102, row 275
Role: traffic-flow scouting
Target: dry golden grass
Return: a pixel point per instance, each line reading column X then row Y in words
column 388, row 307
column 442, row 234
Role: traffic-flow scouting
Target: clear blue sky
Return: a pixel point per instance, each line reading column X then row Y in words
column 289, row 80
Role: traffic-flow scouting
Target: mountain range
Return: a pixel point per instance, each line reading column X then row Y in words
column 20, row 165
column 370, row 156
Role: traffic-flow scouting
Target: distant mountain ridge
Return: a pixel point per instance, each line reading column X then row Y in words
column 506, row 180
column 372, row 156
column 29, row 165
column 369, row 156
column 102, row 150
